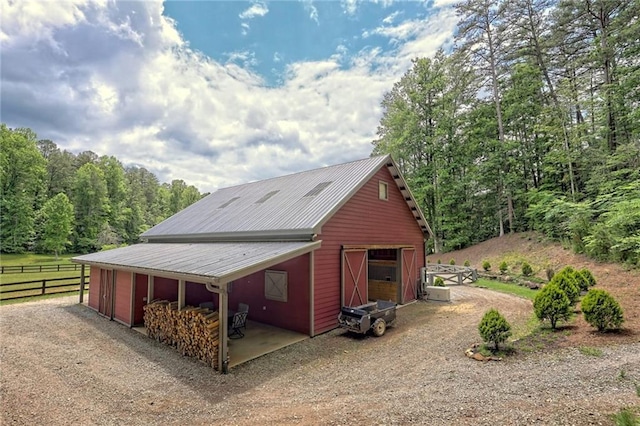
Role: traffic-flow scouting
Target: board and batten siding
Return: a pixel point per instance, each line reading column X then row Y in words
column 366, row 220
column 94, row 290
column 122, row 311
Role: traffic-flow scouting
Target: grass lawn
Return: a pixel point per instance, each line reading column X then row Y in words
column 514, row 289
column 31, row 259
column 35, row 259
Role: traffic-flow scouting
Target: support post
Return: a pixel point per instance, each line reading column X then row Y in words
column 149, row 288
column 82, row 279
column 181, row 290
column 223, row 352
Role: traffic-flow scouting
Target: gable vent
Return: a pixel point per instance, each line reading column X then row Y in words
column 318, row 189
column 228, row 202
column 267, row 196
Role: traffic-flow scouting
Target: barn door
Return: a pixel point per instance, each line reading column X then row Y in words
column 354, row 277
column 409, row 267
column 105, row 302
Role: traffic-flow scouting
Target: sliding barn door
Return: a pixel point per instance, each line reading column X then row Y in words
column 105, row 303
column 354, row 277
column 409, row 274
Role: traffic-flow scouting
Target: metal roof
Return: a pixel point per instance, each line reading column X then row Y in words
column 199, row 262
column 291, row 207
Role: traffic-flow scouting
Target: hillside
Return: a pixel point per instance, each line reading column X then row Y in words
column 622, row 283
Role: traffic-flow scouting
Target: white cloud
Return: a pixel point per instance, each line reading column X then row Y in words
column 445, row 3
column 137, row 91
column 256, row 9
column 312, row 10
column 389, row 19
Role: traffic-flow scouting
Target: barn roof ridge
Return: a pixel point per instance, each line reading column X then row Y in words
column 300, row 204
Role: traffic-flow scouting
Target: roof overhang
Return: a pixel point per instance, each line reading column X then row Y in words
column 408, row 197
column 217, row 263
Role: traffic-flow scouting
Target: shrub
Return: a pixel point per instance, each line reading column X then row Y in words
column 601, row 310
column 486, row 265
column 551, row 303
column 494, row 328
column 566, row 281
column 550, row 273
column 439, row 262
column 439, row 282
column 503, row 267
column 452, row 262
column 467, row 263
column 526, row 269
column 588, row 277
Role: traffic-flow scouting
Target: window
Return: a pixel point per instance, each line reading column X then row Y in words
column 383, row 190
column 275, row 285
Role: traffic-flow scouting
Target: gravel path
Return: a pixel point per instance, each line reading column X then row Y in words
column 63, row 364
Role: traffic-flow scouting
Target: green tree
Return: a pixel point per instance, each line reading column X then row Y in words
column 22, row 173
column 601, row 310
column 60, row 169
column 91, row 207
column 551, row 303
column 566, row 282
column 57, row 216
column 117, row 194
column 494, row 328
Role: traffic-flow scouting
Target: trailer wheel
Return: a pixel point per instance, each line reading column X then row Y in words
column 379, row 327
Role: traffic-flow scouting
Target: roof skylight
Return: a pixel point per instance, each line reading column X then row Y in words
column 318, row 189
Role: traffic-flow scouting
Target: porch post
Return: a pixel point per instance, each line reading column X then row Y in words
column 82, row 278
column 149, row 288
column 223, row 355
column 181, row 290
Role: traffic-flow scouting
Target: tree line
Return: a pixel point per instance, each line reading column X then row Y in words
column 54, row 201
column 531, row 122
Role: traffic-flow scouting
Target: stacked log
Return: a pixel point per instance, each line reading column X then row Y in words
column 192, row 331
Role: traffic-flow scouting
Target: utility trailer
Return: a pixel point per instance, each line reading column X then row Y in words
column 374, row 316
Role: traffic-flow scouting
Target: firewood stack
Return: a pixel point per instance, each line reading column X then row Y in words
column 193, row 331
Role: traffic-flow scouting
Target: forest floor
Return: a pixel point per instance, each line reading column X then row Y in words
column 621, row 282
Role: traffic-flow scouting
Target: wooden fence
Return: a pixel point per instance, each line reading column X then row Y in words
column 20, row 269
column 24, row 289
column 450, row 274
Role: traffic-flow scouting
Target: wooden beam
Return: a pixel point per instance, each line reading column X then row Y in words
column 375, row 246
column 149, row 288
column 82, row 280
column 223, row 351
column 181, row 291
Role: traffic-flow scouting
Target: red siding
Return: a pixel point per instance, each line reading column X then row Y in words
column 195, row 293
column 367, row 220
column 165, row 289
column 140, row 296
column 94, row 287
column 291, row 315
column 123, row 297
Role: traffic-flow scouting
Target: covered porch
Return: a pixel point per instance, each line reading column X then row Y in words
column 259, row 339
column 184, row 274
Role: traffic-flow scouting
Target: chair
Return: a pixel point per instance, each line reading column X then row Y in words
column 243, row 307
column 238, row 322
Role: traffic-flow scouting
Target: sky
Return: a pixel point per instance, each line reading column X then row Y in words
column 216, row 93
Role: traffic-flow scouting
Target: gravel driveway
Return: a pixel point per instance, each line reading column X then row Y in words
column 63, row 364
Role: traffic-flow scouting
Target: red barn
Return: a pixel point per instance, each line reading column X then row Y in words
column 294, row 248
